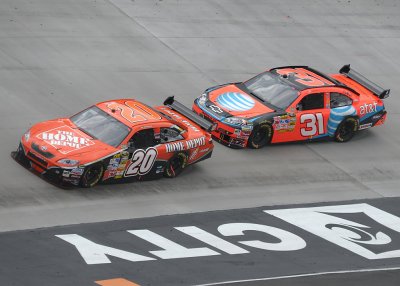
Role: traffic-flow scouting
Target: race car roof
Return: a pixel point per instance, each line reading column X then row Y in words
column 130, row 111
column 304, row 77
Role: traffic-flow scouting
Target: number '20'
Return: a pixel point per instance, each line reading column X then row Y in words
column 142, row 162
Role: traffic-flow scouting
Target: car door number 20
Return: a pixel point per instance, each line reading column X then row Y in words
column 314, row 124
column 142, row 162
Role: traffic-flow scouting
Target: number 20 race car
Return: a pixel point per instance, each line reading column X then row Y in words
column 116, row 141
column 292, row 103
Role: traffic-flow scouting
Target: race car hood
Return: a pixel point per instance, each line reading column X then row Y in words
column 236, row 102
column 61, row 139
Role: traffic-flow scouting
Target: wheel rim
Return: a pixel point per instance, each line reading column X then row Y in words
column 176, row 164
column 93, row 174
column 346, row 130
column 260, row 136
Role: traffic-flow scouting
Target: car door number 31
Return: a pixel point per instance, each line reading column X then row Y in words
column 314, row 124
column 142, row 162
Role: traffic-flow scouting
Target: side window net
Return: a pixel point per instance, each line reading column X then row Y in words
column 338, row 100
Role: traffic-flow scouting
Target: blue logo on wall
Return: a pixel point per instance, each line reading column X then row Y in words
column 336, row 116
column 235, row 101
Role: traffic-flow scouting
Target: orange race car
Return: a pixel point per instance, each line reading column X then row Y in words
column 292, row 103
column 115, row 141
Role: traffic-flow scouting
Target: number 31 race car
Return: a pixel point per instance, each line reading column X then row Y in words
column 292, row 103
column 117, row 140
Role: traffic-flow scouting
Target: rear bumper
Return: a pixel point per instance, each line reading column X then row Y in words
column 224, row 134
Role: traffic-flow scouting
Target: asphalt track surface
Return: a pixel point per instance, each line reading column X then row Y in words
column 60, row 56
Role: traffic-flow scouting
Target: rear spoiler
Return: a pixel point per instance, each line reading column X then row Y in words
column 357, row 77
column 188, row 113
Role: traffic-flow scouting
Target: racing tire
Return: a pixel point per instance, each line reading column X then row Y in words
column 346, row 130
column 175, row 165
column 92, row 175
column 260, row 136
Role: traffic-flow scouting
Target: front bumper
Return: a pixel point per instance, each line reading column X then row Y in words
column 224, row 133
column 38, row 165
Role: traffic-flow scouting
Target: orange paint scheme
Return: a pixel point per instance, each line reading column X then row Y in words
column 238, row 109
column 57, row 144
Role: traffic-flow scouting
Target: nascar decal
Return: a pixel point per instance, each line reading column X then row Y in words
column 284, row 123
column 65, row 137
column 181, row 146
column 141, row 163
column 235, row 101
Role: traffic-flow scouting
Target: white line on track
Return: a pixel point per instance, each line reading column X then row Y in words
column 300, row 275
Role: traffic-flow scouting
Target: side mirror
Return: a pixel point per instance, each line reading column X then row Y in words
column 299, row 107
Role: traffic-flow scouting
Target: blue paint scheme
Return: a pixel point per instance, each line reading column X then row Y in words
column 379, row 108
column 336, row 117
column 235, row 101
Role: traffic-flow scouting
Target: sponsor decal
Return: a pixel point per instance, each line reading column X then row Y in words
column 284, row 123
column 336, row 117
column 73, row 173
column 77, row 171
column 122, row 165
column 180, row 119
column 216, row 109
column 235, row 101
column 376, row 117
column 368, row 108
column 365, row 126
column 372, row 239
column 204, row 150
column 65, row 137
column 185, row 145
column 159, row 169
column 194, row 154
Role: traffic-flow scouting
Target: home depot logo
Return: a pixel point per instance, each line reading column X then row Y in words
column 65, row 139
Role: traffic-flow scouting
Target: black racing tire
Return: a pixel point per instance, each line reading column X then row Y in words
column 346, row 129
column 175, row 165
column 92, row 175
column 261, row 136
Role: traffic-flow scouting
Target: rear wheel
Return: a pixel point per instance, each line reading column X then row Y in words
column 346, row 129
column 175, row 165
column 260, row 136
column 92, row 175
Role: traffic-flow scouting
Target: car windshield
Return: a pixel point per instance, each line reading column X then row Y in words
column 272, row 89
column 100, row 125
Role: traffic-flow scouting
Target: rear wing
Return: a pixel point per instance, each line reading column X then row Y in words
column 188, row 113
column 357, row 77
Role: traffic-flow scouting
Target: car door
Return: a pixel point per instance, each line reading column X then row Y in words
column 312, row 114
column 143, row 147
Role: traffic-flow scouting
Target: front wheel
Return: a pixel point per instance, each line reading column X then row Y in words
column 92, row 175
column 260, row 136
column 175, row 165
column 346, row 130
